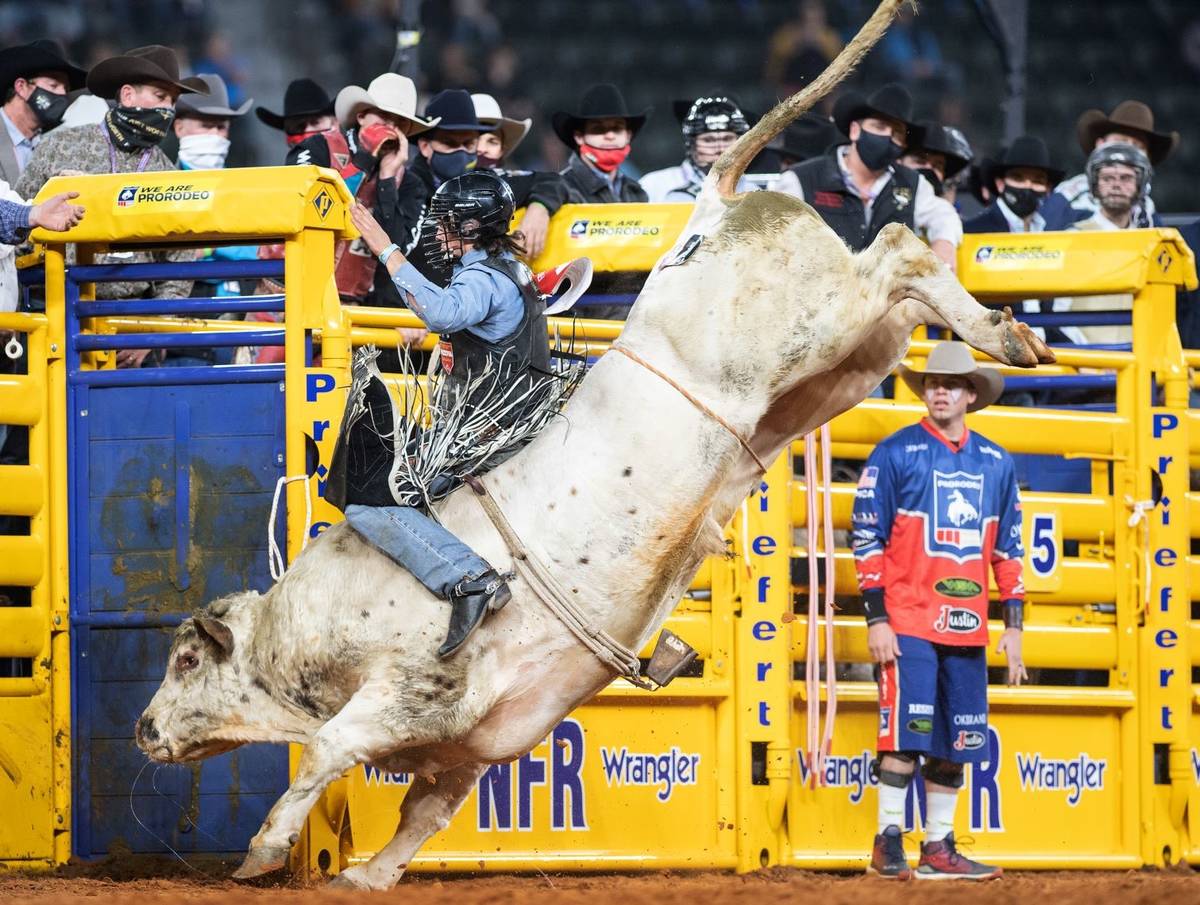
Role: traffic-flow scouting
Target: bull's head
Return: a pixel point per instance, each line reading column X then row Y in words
column 200, row 708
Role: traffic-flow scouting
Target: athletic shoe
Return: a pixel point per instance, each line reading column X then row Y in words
column 941, row 861
column 887, row 857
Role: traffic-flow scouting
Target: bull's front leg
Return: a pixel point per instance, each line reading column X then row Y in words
column 354, row 735
column 428, row 808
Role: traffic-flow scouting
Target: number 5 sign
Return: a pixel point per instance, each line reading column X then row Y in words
column 1043, row 550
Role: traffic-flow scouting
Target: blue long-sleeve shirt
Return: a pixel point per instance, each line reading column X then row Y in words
column 478, row 299
column 14, row 222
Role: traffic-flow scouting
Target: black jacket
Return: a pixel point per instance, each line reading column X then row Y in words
column 826, row 192
column 989, row 220
column 585, row 186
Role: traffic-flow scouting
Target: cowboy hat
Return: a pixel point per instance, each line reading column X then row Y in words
column 603, row 101
column 1025, row 151
column 152, row 63
column 27, row 60
column 391, row 92
column 303, row 98
column 1127, row 116
column 887, row 102
column 808, row 136
column 452, row 110
column 487, row 111
column 211, row 98
column 955, row 359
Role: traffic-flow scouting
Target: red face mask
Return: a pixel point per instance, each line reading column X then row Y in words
column 294, row 138
column 604, row 159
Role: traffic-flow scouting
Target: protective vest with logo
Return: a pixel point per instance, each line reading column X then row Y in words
column 519, row 355
column 353, row 263
column 930, row 518
column 826, row 192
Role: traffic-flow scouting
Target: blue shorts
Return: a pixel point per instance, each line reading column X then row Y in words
column 933, row 700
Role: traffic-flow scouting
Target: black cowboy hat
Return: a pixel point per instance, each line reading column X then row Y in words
column 152, row 63
column 891, row 101
column 809, row 135
column 27, row 60
column 1025, row 151
column 602, row 101
column 452, row 110
column 1127, row 117
column 303, row 98
column 945, row 140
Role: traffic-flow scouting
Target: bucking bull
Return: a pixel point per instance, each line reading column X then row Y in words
column 770, row 325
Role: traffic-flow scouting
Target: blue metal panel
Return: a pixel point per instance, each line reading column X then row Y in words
column 170, row 493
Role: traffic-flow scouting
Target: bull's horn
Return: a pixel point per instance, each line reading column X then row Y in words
column 732, row 164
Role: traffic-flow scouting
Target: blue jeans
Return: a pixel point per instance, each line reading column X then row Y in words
column 433, row 555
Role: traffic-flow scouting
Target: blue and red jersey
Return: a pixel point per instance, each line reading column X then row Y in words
column 930, row 516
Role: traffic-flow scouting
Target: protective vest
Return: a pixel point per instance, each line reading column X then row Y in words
column 826, row 192
column 464, row 354
column 353, row 263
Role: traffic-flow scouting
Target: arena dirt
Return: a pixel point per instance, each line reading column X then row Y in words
column 163, row 883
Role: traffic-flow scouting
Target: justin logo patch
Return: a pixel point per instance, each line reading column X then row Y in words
column 957, row 511
column 446, row 354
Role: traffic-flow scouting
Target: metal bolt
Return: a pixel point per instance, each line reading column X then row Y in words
column 58, row 818
column 279, row 458
column 83, row 413
column 53, row 347
column 83, row 653
column 281, row 386
column 58, row 620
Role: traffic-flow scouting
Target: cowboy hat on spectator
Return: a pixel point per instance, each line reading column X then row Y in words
column 1026, row 151
column 1129, row 117
column 954, row 359
column 302, row 99
column 392, row 93
column 511, row 131
column 152, row 63
column 211, row 98
column 891, row 102
column 603, row 101
column 24, row 61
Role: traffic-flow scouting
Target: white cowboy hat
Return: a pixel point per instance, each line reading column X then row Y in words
column 955, row 359
column 391, row 93
column 487, row 111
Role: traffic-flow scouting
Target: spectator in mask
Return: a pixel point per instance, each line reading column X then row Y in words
column 35, row 79
column 710, row 126
column 371, row 151
column 1021, row 176
column 600, row 134
column 858, row 188
column 939, row 153
column 202, row 122
column 145, row 84
column 541, row 194
column 307, row 111
column 1131, row 123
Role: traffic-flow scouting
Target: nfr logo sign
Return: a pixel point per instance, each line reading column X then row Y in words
column 505, row 793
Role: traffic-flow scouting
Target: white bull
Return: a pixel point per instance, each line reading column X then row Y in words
column 771, row 324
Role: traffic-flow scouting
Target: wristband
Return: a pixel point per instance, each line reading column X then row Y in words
column 387, row 253
column 873, row 607
column 1014, row 614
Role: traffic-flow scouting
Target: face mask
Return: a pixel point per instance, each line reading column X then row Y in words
column 606, row 160
column 877, row 151
column 48, row 108
column 1022, row 202
column 486, row 163
column 203, row 152
column 294, row 138
column 132, row 128
column 448, row 164
column 934, row 180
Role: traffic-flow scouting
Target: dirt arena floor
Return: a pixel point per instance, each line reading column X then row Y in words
column 119, row 883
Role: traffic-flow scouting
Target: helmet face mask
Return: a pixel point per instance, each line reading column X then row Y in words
column 472, row 208
column 1116, row 156
column 711, row 126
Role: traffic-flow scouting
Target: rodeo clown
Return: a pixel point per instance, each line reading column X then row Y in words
column 710, row 126
column 494, row 356
column 936, row 504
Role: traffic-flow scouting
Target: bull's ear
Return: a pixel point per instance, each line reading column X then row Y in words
column 220, row 633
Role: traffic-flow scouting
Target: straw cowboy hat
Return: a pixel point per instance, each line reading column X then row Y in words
column 152, row 63
column 955, row 359
column 211, row 98
column 512, row 131
column 392, row 93
column 1127, row 117
column 303, row 98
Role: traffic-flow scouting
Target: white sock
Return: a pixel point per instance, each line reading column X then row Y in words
column 939, row 815
column 891, row 806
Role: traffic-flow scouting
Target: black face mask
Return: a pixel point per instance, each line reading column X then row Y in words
column 48, row 108
column 934, row 180
column 138, row 127
column 877, row 152
column 1022, row 202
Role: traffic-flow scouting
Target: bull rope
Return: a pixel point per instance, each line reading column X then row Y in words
column 274, row 555
column 819, row 744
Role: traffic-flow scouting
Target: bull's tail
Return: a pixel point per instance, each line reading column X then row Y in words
column 732, row 164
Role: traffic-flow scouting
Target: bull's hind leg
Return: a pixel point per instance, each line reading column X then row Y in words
column 427, row 808
column 356, row 734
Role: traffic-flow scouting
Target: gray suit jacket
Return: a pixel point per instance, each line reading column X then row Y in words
column 9, row 171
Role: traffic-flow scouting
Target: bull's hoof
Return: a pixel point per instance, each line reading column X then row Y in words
column 261, row 860
column 1024, row 348
column 348, row 879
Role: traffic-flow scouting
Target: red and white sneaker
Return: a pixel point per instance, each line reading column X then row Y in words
column 941, row 861
column 887, row 857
